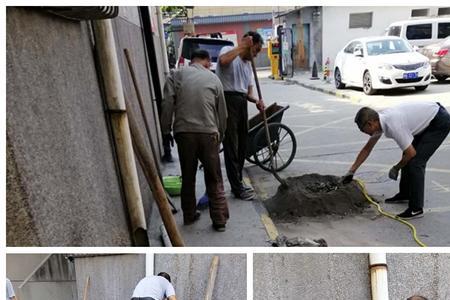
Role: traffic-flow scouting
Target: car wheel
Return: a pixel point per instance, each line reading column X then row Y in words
column 367, row 84
column 338, row 80
column 441, row 77
column 421, row 87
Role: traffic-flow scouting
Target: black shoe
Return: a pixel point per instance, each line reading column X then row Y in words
column 244, row 195
column 193, row 220
column 248, row 188
column 397, row 199
column 219, row 227
column 411, row 214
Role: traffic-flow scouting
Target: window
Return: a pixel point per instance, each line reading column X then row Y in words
column 350, row 47
column 419, row 12
column 394, row 30
column 358, row 46
column 443, row 11
column 418, row 32
column 360, row 20
column 387, row 47
column 443, row 30
column 213, row 46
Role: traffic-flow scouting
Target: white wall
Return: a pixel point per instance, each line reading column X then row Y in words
column 336, row 31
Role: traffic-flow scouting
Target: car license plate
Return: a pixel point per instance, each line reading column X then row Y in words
column 412, row 75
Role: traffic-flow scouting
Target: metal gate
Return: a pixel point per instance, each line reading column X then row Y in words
column 286, row 57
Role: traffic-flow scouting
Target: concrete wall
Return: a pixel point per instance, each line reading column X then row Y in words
column 112, row 277
column 423, row 274
column 189, row 274
column 115, row 276
column 330, row 276
column 54, row 280
column 203, row 11
column 63, row 187
column 311, row 276
column 336, row 31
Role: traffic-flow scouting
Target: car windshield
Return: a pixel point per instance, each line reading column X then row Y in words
column 211, row 45
column 387, row 47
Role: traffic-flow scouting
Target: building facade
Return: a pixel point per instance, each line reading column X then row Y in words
column 232, row 27
column 320, row 32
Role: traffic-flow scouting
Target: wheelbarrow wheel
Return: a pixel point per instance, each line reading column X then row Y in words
column 251, row 159
column 284, row 147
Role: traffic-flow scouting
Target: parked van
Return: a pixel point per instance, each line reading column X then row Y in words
column 421, row 32
column 190, row 44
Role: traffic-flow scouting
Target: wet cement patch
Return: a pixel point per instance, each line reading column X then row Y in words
column 313, row 195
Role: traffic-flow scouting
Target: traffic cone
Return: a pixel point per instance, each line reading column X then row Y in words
column 326, row 70
column 314, row 72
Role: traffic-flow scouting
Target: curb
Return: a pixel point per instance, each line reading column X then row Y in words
column 266, row 221
column 355, row 99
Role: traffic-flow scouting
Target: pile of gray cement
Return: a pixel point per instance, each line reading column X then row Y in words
column 312, row 195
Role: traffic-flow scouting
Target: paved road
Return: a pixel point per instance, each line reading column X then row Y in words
column 328, row 143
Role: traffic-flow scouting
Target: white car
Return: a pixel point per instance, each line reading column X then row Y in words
column 381, row 63
column 190, row 44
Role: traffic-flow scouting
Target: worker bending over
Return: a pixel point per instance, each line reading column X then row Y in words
column 418, row 128
column 152, row 287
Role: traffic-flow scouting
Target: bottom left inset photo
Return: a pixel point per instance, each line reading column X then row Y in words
column 126, row 276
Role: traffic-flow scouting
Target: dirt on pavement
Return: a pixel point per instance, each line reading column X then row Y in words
column 312, row 195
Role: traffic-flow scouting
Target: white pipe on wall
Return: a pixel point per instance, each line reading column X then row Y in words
column 149, row 264
column 378, row 276
column 162, row 38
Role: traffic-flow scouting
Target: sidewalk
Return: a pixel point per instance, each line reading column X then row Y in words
column 245, row 226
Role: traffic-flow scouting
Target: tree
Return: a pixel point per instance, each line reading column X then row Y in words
column 176, row 11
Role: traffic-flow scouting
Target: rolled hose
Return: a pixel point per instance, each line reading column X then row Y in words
column 389, row 215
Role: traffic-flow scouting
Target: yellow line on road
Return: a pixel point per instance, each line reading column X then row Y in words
column 271, row 230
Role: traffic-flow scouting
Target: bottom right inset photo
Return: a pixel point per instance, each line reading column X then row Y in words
column 351, row 276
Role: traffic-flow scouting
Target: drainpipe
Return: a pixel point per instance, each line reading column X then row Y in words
column 162, row 42
column 378, row 276
column 106, row 47
column 149, row 264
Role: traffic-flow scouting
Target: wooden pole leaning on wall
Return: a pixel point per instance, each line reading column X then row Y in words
column 106, row 48
column 138, row 94
column 149, row 168
column 147, row 126
column 212, row 278
column 86, row 288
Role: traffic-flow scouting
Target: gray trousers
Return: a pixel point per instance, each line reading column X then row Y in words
column 142, row 298
column 412, row 180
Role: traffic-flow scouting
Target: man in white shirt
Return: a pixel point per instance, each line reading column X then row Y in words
column 10, row 295
column 418, row 128
column 154, row 288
